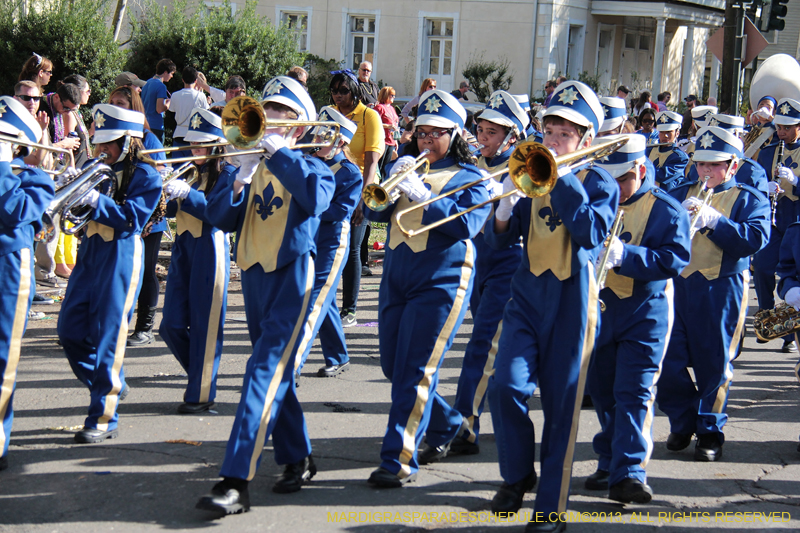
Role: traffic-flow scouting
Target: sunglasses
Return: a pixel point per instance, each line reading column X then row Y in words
column 649, row 121
column 365, row 70
column 342, row 91
column 48, row 72
column 28, row 98
column 432, row 135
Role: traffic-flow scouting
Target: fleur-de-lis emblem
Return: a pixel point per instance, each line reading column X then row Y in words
column 625, row 236
column 269, row 204
column 789, row 163
column 551, row 219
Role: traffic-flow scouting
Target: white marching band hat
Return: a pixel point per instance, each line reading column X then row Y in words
column 787, row 113
column 17, row 121
column 702, row 113
column 716, row 144
column 112, row 122
column 727, row 122
column 626, row 158
column 614, row 113
column 578, row 103
column 668, row 120
column 441, row 110
column 347, row 128
column 287, row 91
column 204, row 127
column 504, row 109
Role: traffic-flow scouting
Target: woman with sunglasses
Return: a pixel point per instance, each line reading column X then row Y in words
column 428, row 84
column 73, row 121
column 427, row 282
column 366, row 149
column 37, row 69
column 647, row 126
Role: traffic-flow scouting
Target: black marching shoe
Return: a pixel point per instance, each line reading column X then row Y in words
column 430, row 454
column 383, row 479
column 630, row 490
column 143, row 332
column 546, row 526
column 190, row 408
column 3, row 463
column 597, row 481
column 229, row 496
column 678, row 441
column 509, row 498
column 94, row 435
column 124, row 392
column 462, row 446
column 789, row 346
column 333, row 370
column 709, row 447
column 295, row 476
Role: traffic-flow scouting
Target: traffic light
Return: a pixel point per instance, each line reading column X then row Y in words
column 772, row 16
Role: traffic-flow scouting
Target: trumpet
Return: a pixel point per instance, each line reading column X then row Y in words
column 532, row 168
column 706, row 199
column 28, row 144
column 602, row 272
column 187, row 168
column 63, row 208
column 380, row 196
column 244, row 123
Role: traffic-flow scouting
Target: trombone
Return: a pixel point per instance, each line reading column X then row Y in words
column 532, row 168
column 380, row 196
column 244, row 123
column 29, row 144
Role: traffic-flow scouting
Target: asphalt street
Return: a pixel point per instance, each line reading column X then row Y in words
column 150, row 477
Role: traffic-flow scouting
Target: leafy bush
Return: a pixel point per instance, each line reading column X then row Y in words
column 73, row 34
column 485, row 77
column 213, row 41
column 591, row 81
column 319, row 78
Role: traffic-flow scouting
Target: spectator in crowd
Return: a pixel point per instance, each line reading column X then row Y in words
column 428, row 84
column 560, row 80
column 623, row 92
column 57, row 105
column 155, row 96
column 389, row 118
column 299, row 73
column 73, row 121
column 711, row 101
column 368, row 88
column 686, row 126
column 647, row 125
column 182, row 103
column 663, row 100
column 549, row 87
column 234, row 86
column 642, row 103
column 129, row 79
column 37, row 69
column 461, row 92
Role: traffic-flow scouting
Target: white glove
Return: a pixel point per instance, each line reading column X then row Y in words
column 616, row 248
column 793, row 298
column 763, row 113
column 248, row 168
column 273, row 142
column 178, row 189
column 691, row 203
column 785, row 173
column 6, row 153
column 66, row 176
column 563, row 171
column 494, row 187
column 506, row 205
column 402, row 163
column 414, row 188
column 708, row 218
column 683, row 143
column 774, row 188
column 90, row 199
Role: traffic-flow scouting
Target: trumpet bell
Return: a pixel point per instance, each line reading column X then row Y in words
column 243, row 122
column 533, row 169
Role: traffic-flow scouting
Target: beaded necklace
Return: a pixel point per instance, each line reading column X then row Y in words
column 58, row 120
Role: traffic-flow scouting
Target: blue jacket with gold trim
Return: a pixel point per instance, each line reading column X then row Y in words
column 24, row 198
column 586, row 209
column 741, row 234
column 195, row 203
column 284, row 217
column 787, row 211
column 669, row 174
column 141, row 199
column 348, row 189
column 789, row 264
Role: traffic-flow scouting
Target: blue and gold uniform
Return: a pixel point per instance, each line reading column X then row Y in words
column 789, row 269
column 636, row 323
column 93, row 323
column 669, row 161
column 24, row 197
column 423, row 297
column 550, row 323
column 711, row 304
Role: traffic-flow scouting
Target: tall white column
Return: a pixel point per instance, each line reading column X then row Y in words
column 712, row 83
column 688, row 61
column 658, row 55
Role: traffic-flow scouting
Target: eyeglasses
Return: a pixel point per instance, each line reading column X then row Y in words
column 433, row 134
column 648, row 121
column 28, row 98
column 365, row 70
column 341, row 91
column 50, row 72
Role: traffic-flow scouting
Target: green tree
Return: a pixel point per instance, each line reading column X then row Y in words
column 485, row 77
column 319, row 78
column 214, row 41
column 73, row 34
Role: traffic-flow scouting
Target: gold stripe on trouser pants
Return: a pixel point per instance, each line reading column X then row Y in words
column 733, row 349
column 212, row 328
column 480, row 390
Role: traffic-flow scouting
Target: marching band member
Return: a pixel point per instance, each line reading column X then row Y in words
column 524, row 102
column 197, row 283
column 749, row 173
column 669, row 161
column 333, row 243
column 24, row 197
column 500, row 126
column 427, row 280
column 549, row 325
column 782, row 186
column 789, row 274
column 653, row 247
column 93, row 323
column 701, row 115
column 762, row 119
column 711, row 296
column 614, row 116
column 273, row 206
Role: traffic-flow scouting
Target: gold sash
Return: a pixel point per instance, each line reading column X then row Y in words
column 633, row 226
column 437, row 179
column 549, row 245
column 658, row 157
column 265, row 221
column 707, row 256
column 187, row 222
column 95, row 228
column 794, row 155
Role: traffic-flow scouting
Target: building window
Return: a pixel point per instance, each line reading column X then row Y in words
column 216, row 7
column 298, row 23
column 362, row 40
column 439, row 34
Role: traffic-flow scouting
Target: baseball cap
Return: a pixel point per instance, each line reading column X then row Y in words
column 623, row 89
column 128, row 78
column 690, row 98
